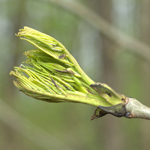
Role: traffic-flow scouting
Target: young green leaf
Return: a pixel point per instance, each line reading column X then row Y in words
column 51, row 74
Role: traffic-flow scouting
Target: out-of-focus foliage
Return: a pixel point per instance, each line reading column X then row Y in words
column 99, row 57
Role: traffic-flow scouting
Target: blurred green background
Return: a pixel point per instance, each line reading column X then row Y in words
column 47, row 126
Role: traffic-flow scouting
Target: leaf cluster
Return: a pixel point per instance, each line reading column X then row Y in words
column 51, row 74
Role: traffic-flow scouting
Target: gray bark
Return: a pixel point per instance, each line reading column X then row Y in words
column 135, row 109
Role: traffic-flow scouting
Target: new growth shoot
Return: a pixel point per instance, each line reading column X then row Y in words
column 52, row 74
